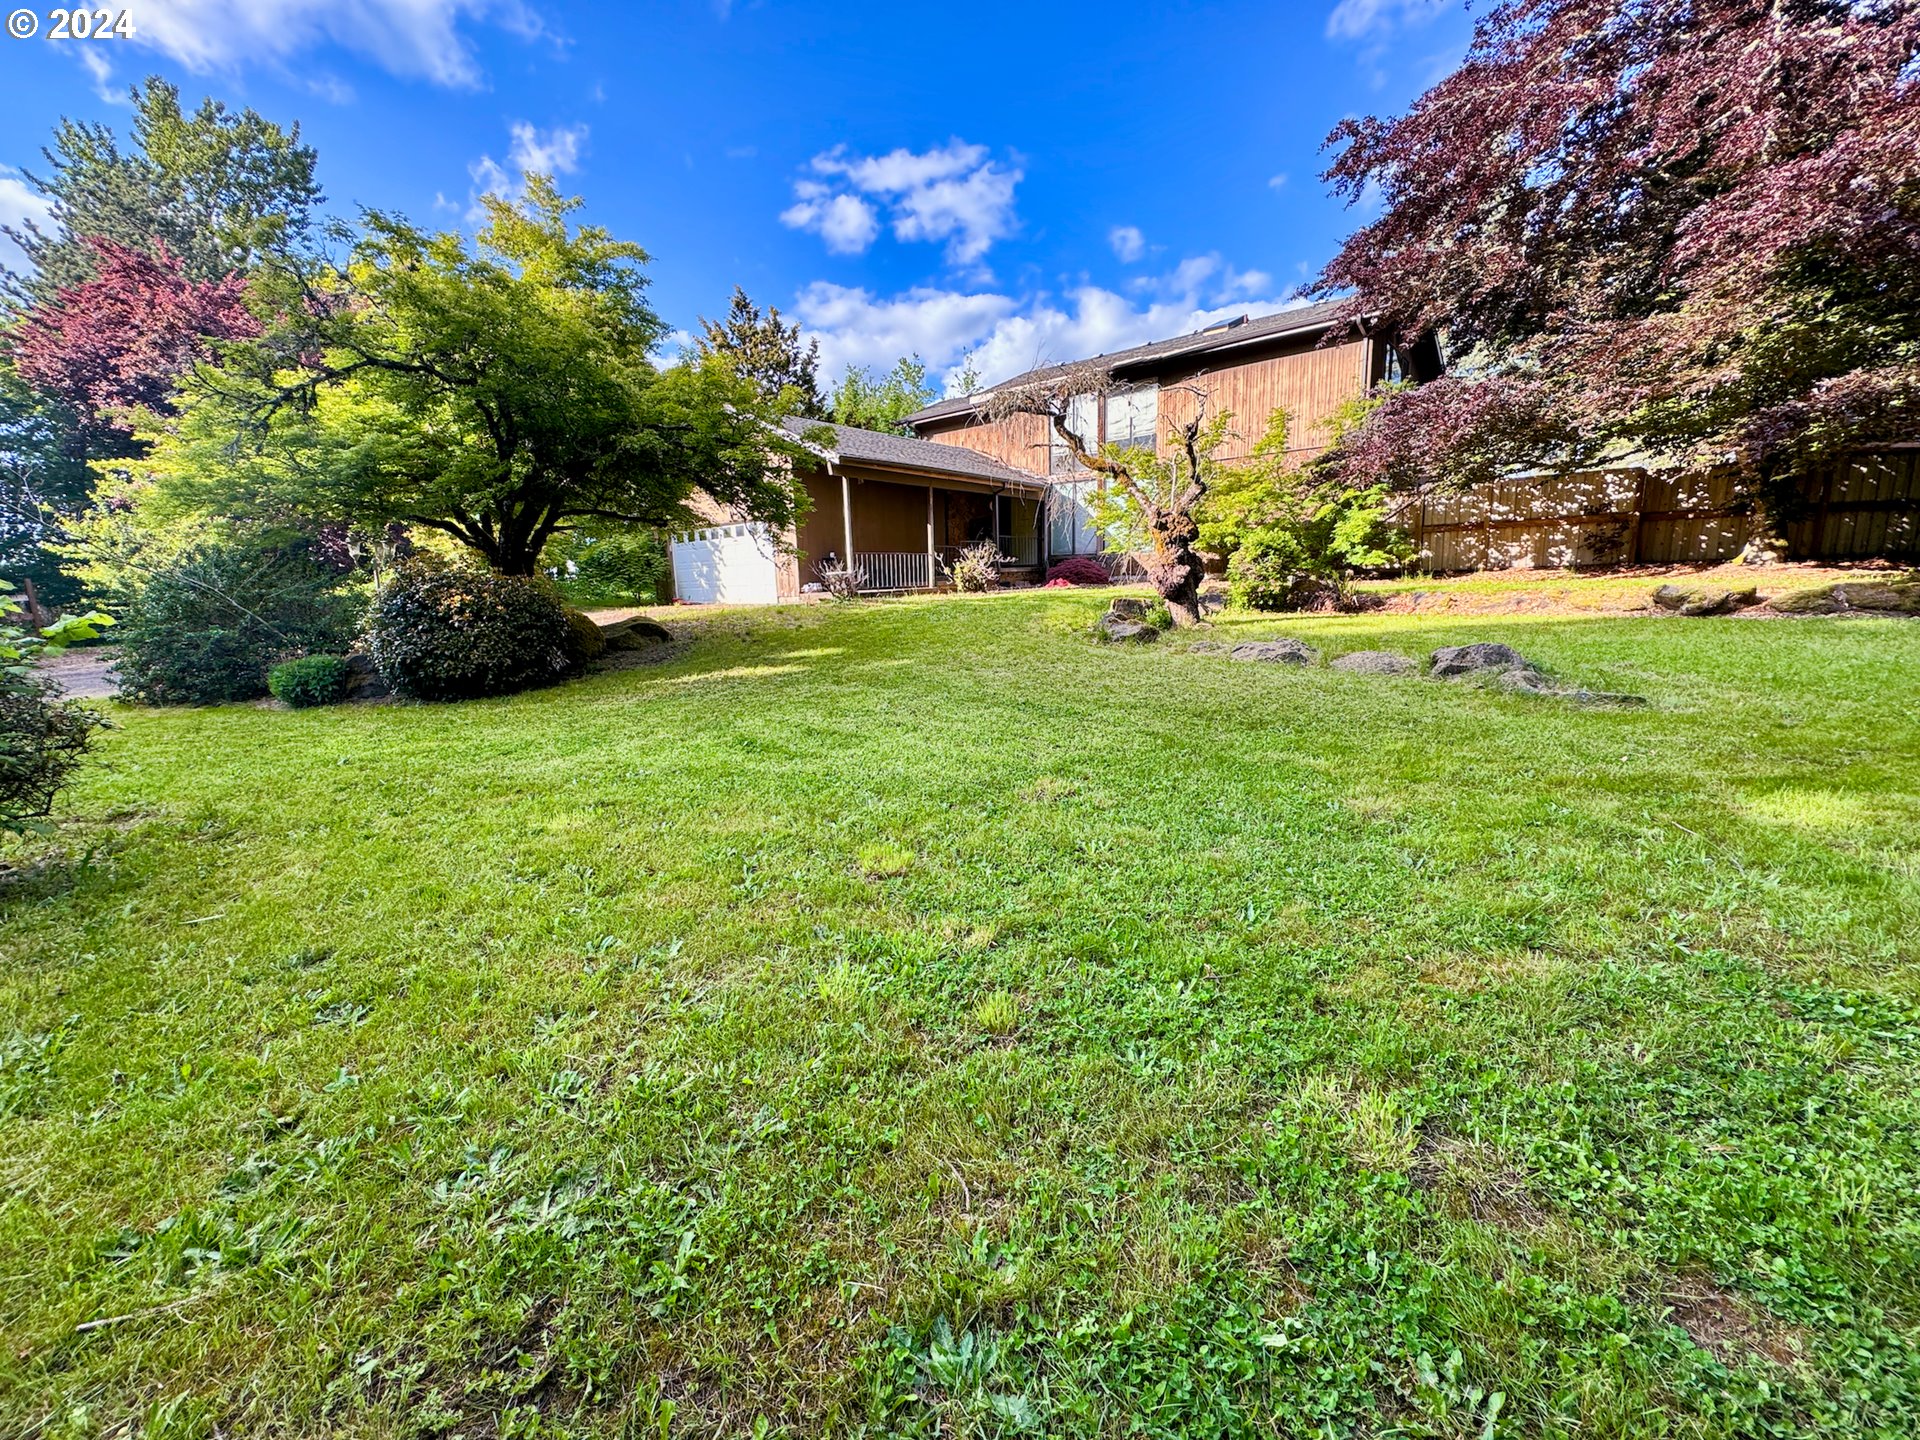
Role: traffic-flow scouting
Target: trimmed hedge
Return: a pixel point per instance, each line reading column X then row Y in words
column 309, row 681
column 462, row 634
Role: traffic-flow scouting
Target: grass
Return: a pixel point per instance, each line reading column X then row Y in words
column 912, row 1018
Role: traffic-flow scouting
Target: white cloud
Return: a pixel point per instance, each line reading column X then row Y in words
column 1277, row 182
column 100, row 70
column 531, row 151
column 1003, row 335
column 1360, row 19
column 846, row 222
column 547, row 152
column 855, row 327
column 414, row 38
column 1127, row 242
column 953, row 193
column 19, row 204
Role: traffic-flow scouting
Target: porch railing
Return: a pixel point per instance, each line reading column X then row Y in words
column 895, row 569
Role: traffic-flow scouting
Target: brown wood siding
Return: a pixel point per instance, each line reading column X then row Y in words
column 1019, row 440
column 821, row 531
column 1309, row 383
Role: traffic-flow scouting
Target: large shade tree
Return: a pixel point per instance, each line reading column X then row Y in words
column 1688, row 227
column 501, row 391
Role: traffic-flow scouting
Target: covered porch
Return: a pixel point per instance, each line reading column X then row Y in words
column 904, row 530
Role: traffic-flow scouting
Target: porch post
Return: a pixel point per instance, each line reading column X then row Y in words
column 846, row 518
column 932, row 567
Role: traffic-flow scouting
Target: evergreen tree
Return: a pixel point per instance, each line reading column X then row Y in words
column 221, row 191
column 760, row 349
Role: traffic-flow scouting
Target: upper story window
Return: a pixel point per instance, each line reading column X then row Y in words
column 1083, row 419
column 1133, row 417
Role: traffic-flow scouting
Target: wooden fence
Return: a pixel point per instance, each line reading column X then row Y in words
column 1870, row 507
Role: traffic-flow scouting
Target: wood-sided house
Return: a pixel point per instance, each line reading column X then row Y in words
column 902, row 507
column 1306, row 361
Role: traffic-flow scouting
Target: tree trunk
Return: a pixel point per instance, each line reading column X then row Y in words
column 1173, row 566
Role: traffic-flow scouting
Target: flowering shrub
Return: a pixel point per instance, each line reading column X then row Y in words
column 1078, row 570
column 977, row 567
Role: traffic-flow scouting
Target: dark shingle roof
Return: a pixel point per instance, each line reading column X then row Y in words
column 1161, row 352
column 877, row 447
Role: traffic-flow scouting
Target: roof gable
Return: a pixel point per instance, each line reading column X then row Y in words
column 1160, row 355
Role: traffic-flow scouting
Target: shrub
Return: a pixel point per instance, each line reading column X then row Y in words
column 584, row 639
column 459, row 634
column 977, row 567
column 842, row 582
column 42, row 738
column 309, row 681
column 1272, row 571
column 207, row 627
column 1078, row 570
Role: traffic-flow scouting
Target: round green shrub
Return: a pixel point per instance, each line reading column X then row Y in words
column 308, row 681
column 460, row 634
column 206, row 628
column 1272, row 570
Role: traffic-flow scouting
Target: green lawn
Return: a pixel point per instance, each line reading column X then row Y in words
column 913, row 1018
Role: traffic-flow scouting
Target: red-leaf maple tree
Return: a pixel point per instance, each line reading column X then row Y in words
column 1688, row 227
column 121, row 340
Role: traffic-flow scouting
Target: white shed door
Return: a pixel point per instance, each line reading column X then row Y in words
column 725, row 565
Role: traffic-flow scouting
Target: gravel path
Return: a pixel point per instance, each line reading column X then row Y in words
column 83, row 674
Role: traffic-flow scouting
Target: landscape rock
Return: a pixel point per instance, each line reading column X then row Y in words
column 634, row 632
column 1374, row 662
column 1128, row 607
column 1209, row 647
column 1278, row 652
column 1450, row 660
column 364, row 681
column 1117, row 630
column 1532, row 682
column 1703, row 600
column 1899, row 596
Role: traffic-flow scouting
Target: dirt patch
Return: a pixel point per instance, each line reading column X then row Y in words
column 1728, row 1327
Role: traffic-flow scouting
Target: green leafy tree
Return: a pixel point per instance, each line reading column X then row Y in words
column 221, row 191
column 1294, row 534
column 769, row 354
column 499, row 391
column 883, row 402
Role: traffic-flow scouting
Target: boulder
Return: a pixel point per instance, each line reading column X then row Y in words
column 634, row 632
column 1125, row 631
column 1374, row 662
column 1880, row 597
column 1864, row 597
column 1274, row 652
column 1532, row 682
column 1450, row 660
column 1703, row 600
column 364, row 681
column 1128, row 607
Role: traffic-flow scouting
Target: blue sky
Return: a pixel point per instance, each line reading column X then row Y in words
column 1019, row 182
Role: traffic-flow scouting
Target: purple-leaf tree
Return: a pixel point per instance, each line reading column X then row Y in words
column 1685, row 227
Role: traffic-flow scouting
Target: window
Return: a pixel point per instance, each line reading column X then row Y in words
column 1083, row 419
column 1133, row 417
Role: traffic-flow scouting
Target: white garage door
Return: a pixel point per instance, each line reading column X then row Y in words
column 725, row 565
